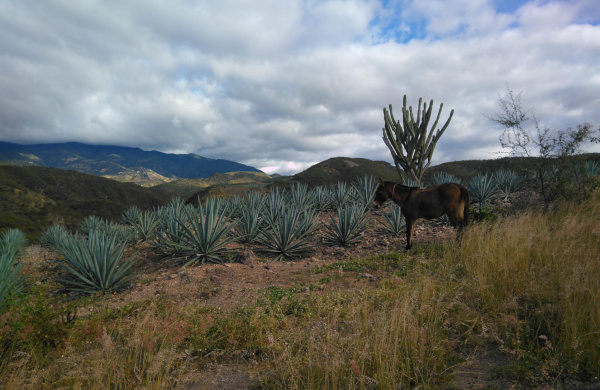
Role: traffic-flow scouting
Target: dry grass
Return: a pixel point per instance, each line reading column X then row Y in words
column 536, row 276
column 526, row 285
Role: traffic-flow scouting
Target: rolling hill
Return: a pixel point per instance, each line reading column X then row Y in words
column 117, row 162
column 34, row 198
column 344, row 169
column 186, row 188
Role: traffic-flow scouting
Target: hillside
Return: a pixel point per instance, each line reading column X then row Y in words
column 186, row 188
column 348, row 169
column 36, row 197
column 469, row 168
column 344, row 169
column 117, row 162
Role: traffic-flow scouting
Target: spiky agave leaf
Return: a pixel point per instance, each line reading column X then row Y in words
column 351, row 222
column 206, row 232
column 249, row 226
column 394, row 220
column 506, row 181
column 482, row 188
column 96, row 264
column 273, row 206
column 12, row 242
column 340, row 194
column 322, row 198
column 131, row 215
column 364, row 191
column 53, row 237
column 169, row 235
column 289, row 235
column 300, row 197
column 444, row 177
column 145, row 225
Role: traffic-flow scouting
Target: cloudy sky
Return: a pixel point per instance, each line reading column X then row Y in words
column 283, row 84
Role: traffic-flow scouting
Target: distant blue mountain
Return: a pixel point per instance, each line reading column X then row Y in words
column 104, row 160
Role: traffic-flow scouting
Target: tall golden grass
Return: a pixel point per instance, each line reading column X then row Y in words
column 538, row 275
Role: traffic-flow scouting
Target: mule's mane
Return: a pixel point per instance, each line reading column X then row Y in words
column 400, row 186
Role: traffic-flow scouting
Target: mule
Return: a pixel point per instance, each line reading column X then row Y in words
column 450, row 199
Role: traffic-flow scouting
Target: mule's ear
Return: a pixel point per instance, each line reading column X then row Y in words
column 380, row 181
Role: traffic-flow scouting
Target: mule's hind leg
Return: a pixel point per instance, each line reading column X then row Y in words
column 457, row 223
column 410, row 228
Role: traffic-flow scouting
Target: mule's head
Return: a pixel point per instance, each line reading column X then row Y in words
column 381, row 195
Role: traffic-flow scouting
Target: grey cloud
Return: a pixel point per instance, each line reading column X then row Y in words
column 287, row 84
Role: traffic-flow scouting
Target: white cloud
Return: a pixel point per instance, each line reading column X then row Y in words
column 282, row 85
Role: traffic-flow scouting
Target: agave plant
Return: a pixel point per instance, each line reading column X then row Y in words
column 483, row 188
column 234, row 205
column 394, row 222
column 300, row 197
column 95, row 264
column 206, row 232
column 364, row 191
column 92, row 223
column 322, row 198
column 273, row 206
column 289, row 235
column 592, row 167
column 145, row 225
column 347, row 229
column 506, row 182
column 254, row 200
column 410, row 182
column 11, row 279
column 12, row 242
column 340, row 195
column 131, row 215
column 54, row 236
column 169, row 235
column 250, row 225
column 444, row 177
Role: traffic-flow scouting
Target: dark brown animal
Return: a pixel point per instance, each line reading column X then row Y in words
column 449, row 198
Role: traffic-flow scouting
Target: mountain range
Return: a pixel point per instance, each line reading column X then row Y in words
column 118, row 162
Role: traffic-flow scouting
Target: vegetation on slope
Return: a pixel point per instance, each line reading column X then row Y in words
column 33, row 198
column 191, row 188
column 344, row 169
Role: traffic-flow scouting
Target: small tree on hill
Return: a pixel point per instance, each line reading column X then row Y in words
column 558, row 171
column 409, row 140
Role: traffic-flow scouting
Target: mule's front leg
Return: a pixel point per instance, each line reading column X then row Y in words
column 410, row 228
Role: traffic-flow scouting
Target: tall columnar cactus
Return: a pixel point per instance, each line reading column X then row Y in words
column 409, row 141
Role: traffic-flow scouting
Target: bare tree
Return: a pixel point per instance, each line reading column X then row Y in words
column 558, row 172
